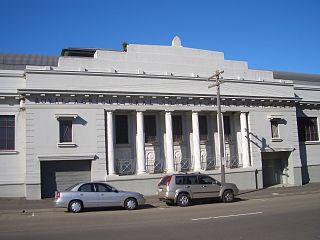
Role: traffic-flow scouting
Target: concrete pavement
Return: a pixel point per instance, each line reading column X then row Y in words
column 21, row 205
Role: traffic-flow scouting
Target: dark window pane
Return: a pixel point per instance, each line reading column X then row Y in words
column 274, row 129
column 308, row 129
column 177, row 128
column 88, row 187
column 203, row 128
column 102, row 188
column 150, row 128
column 226, row 125
column 65, row 131
column 122, row 134
column 191, row 180
column 7, row 132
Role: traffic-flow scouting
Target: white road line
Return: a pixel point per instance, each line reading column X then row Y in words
column 227, row 216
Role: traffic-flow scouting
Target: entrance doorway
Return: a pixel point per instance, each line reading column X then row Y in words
column 274, row 168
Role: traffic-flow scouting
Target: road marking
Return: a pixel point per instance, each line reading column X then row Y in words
column 227, row 216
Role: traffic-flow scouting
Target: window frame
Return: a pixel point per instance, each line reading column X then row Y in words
column 314, row 132
column 6, row 118
column 117, row 129
column 227, row 128
column 177, row 138
column 63, row 118
column 150, row 139
column 62, row 123
column 203, row 129
column 274, row 126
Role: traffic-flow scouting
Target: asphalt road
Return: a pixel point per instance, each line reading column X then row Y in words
column 279, row 217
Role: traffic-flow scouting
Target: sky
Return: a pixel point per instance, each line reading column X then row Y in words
column 269, row 34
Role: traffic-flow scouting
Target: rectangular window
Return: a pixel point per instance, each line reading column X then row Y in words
column 7, row 132
column 122, row 129
column 226, row 128
column 150, row 128
column 274, row 128
column 65, row 131
column 177, row 128
column 203, row 128
column 308, row 129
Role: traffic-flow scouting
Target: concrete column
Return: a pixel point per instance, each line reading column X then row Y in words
column 221, row 149
column 169, row 142
column 244, row 139
column 141, row 161
column 196, row 141
column 110, row 140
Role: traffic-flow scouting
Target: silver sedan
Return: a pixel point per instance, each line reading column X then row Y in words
column 96, row 194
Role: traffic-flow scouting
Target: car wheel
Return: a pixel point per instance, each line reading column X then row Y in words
column 75, row 206
column 183, row 200
column 130, row 204
column 227, row 196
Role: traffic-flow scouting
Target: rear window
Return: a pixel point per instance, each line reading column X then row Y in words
column 164, row 180
column 186, row 180
column 71, row 187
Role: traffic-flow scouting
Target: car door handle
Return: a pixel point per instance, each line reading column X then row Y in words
column 187, row 186
column 81, row 194
column 204, row 186
column 102, row 194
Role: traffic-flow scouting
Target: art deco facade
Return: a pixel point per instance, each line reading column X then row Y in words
column 131, row 116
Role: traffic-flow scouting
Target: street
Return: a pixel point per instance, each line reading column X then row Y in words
column 278, row 217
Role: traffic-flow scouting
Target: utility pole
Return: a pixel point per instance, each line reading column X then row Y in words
column 217, row 77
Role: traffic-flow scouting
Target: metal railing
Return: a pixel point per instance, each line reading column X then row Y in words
column 208, row 162
column 183, row 165
column 126, row 167
column 232, row 161
column 156, row 167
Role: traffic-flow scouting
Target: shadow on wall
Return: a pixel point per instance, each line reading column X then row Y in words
column 304, row 163
column 262, row 145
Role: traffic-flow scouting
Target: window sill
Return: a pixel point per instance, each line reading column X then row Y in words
column 66, row 145
column 8, row 152
column 312, row 142
column 276, row 140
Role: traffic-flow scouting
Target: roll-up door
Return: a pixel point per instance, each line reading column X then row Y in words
column 59, row 175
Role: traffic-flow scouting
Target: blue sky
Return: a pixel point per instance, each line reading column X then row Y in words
column 268, row 34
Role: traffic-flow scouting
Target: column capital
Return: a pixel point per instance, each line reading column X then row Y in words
column 140, row 110
column 168, row 110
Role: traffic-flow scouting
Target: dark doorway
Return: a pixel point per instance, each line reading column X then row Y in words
column 59, row 175
column 274, row 168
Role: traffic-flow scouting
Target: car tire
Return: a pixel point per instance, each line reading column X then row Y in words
column 228, row 196
column 183, row 200
column 130, row 204
column 75, row 206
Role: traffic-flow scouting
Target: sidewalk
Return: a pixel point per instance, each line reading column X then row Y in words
column 21, row 205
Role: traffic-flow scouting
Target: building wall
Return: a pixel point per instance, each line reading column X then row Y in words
column 152, row 79
column 12, row 173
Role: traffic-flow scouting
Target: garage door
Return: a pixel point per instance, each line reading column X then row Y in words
column 59, row 175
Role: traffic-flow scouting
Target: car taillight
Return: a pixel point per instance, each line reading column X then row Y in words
column 57, row 195
column 169, row 180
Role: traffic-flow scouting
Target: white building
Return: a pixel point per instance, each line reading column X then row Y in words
column 129, row 117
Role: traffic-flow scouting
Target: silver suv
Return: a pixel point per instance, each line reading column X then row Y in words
column 180, row 189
